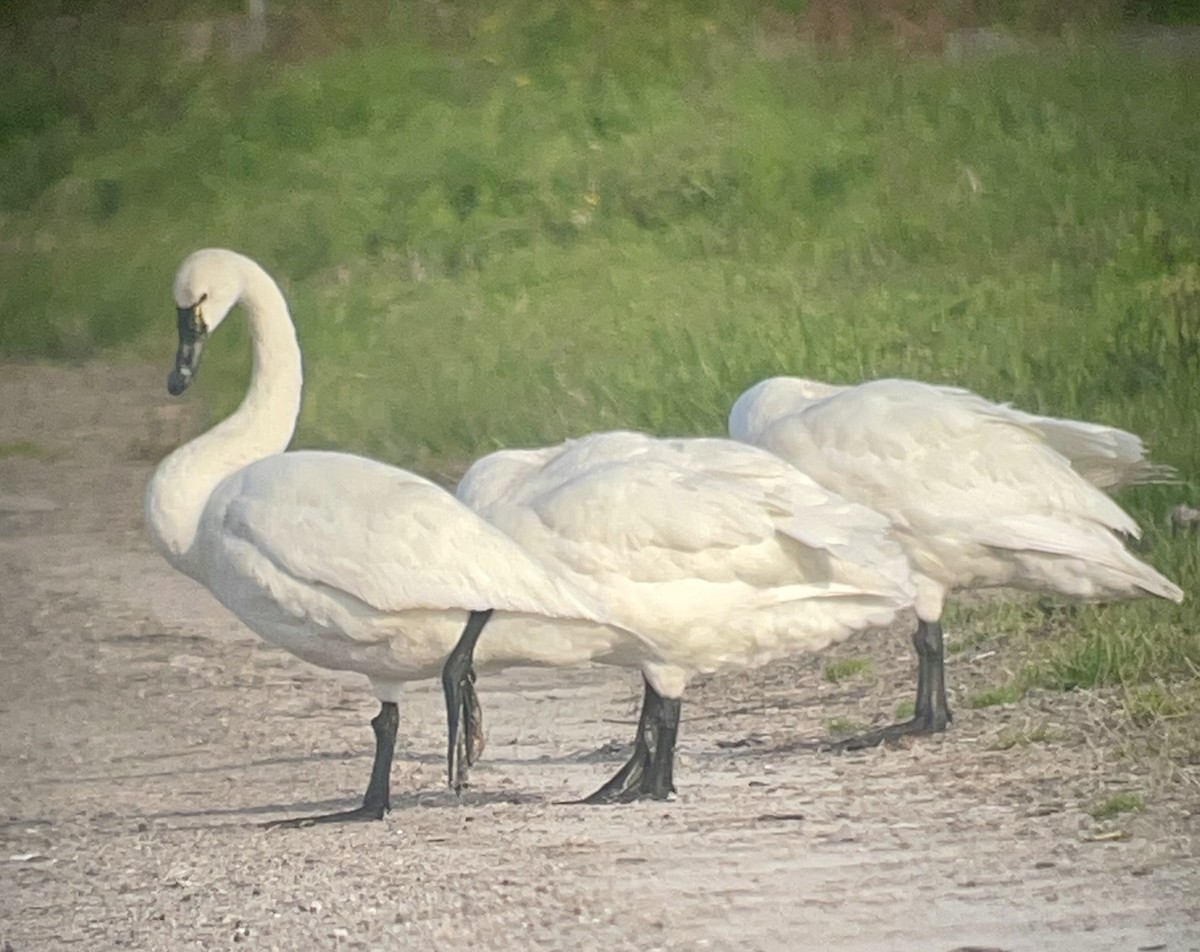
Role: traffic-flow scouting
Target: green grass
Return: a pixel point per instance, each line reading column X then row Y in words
column 1118, row 803
column 25, row 448
column 510, row 223
column 837, row 671
column 1148, row 704
column 1166, row 715
column 1146, row 647
column 844, row 727
column 1006, row 694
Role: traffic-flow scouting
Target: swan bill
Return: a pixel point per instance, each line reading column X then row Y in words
column 192, row 335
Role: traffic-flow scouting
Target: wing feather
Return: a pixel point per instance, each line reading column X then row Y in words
column 388, row 538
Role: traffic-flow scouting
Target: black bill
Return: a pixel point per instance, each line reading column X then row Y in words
column 192, row 334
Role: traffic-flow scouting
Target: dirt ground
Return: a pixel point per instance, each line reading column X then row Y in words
column 145, row 736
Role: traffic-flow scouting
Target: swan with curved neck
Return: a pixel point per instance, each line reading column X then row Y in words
column 346, row 562
column 207, row 287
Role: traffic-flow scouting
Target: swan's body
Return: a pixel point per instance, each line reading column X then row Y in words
column 979, row 495
column 1107, row 457
column 720, row 554
column 343, row 561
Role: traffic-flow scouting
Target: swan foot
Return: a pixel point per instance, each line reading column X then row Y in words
column 893, row 733
column 358, row 814
column 464, row 717
column 649, row 772
column 931, row 713
column 376, row 802
column 626, row 784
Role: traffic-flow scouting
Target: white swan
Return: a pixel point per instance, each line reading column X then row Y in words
column 979, row 495
column 720, row 554
column 345, row 562
column 1107, row 457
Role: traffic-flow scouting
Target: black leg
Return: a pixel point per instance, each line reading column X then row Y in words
column 375, row 804
column 660, row 783
column 923, row 703
column 932, row 711
column 931, row 714
column 649, row 773
column 463, row 716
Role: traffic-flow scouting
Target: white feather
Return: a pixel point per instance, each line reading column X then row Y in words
column 1105, row 456
column 978, row 494
column 718, row 553
column 344, row 561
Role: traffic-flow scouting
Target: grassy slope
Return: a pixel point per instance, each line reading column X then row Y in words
column 537, row 219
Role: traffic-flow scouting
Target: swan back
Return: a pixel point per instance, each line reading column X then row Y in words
column 917, row 452
column 354, row 564
column 964, row 482
column 716, row 552
column 493, row 478
column 1106, row 456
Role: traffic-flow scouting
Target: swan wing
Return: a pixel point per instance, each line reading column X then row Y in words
column 1107, row 457
column 388, row 538
column 647, row 509
column 1118, row 569
column 923, row 455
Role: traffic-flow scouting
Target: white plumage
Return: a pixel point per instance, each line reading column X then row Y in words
column 980, row 495
column 720, row 554
column 346, row 562
column 1107, row 457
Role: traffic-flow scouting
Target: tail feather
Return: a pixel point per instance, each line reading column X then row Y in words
column 1107, row 457
column 1091, row 545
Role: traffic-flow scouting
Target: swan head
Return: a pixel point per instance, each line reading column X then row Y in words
column 207, row 286
column 772, row 398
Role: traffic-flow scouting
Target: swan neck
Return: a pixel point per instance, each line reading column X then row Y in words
column 267, row 416
column 260, row 427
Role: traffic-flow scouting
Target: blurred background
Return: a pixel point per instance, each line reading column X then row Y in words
column 508, row 223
